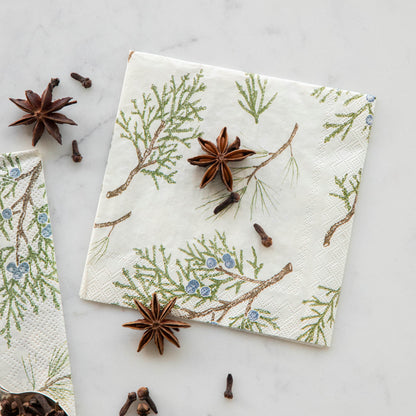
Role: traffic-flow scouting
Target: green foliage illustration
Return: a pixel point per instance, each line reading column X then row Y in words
column 253, row 96
column 358, row 112
column 322, row 316
column 348, row 187
column 27, row 259
column 158, row 123
column 248, row 182
column 212, row 281
column 57, row 382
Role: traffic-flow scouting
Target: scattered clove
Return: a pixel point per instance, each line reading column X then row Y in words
column 265, row 239
column 232, row 198
column 85, row 82
column 76, row 155
column 143, row 409
column 131, row 397
column 228, row 394
column 143, row 394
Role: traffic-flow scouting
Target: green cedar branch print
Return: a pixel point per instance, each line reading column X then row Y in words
column 322, row 316
column 348, row 194
column 27, row 260
column 57, row 382
column 253, row 97
column 363, row 113
column 160, row 122
column 247, row 181
column 209, row 271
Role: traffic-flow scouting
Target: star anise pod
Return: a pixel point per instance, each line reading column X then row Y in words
column 155, row 324
column 217, row 158
column 43, row 112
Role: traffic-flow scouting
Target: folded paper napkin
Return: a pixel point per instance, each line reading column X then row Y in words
column 155, row 230
column 33, row 348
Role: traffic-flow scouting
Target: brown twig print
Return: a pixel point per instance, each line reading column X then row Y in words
column 25, row 200
column 273, row 155
column 249, row 296
column 334, row 227
column 143, row 162
column 99, row 248
column 112, row 224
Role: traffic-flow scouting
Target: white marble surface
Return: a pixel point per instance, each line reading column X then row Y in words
column 364, row 46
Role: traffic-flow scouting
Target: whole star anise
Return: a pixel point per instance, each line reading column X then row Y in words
column 43, row 112
column 155, row 324
column 218, row 157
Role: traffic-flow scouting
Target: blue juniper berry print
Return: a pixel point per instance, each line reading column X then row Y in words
column 46, row 231
column 253, row 315
column 211, row 262
column 42, row 218
column 192, row 287
column 18, row 271
column 369, row 120
column 14, row 173
column 205, row 291
column 226, row 257
column 370, row 98
column 6, row 213
column 230, row 263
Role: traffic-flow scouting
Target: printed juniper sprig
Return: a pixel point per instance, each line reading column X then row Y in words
column 347, row 191
column 158, row 124
column 324, row 93
column 207, row 270
column 57, row 382
column 248, row 182
column 357, row 109
column 27, row 261
column 253, row 97
column 99, row 247
column 322, row 316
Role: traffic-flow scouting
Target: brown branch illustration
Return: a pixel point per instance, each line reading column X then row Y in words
column 25, row 200
column 249, row 296
column 273, row 155
column 334, row 227
column 235, row 275
column 112, row 224
column 143, row 162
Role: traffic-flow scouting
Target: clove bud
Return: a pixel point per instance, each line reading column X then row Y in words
column 85, row 82
column 228, row 394
column 131, row 397
column 143, row 409
column 265, row 239
column 76, row 155
column 143, row 394
column 232, row 198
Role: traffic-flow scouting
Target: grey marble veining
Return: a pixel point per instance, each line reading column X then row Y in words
column 364, row 46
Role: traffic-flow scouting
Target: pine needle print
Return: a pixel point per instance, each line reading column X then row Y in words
column 253, row 94
column 359, row 111
column 57, row 382
column 27, row 260
column 322, row 316
column 212, row 280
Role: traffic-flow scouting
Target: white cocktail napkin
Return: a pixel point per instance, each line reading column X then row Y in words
column 33, row 347
column 155, row 230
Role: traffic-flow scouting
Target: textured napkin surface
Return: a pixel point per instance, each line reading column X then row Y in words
column 33, row 347
column 155, row 231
